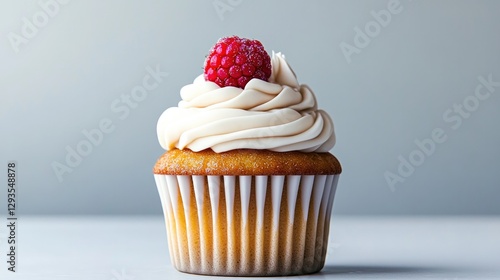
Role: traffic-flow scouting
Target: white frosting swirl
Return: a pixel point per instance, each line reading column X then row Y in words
column 279, row 115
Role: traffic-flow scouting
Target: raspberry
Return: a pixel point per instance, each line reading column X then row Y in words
column 234, row 61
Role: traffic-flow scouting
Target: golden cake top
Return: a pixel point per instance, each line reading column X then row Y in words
column 246, row 162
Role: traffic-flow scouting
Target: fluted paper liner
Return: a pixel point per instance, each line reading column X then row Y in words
column 247, row 225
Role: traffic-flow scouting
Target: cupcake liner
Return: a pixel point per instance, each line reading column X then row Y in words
column 247, row 225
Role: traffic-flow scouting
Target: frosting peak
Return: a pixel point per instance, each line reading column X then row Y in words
column 282, row 73
column 279, row 115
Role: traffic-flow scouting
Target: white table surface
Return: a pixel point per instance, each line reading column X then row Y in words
column 126, row 248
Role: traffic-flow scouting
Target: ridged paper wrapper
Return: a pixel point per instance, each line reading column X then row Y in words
column 247, row 225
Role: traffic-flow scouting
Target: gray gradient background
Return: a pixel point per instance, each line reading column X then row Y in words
column 394, row 91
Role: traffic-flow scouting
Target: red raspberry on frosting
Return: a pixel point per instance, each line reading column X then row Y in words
column 233, row 61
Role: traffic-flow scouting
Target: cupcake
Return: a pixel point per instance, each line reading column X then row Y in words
column 247, row 181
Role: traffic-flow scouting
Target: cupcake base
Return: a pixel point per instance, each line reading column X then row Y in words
column 247, row 225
